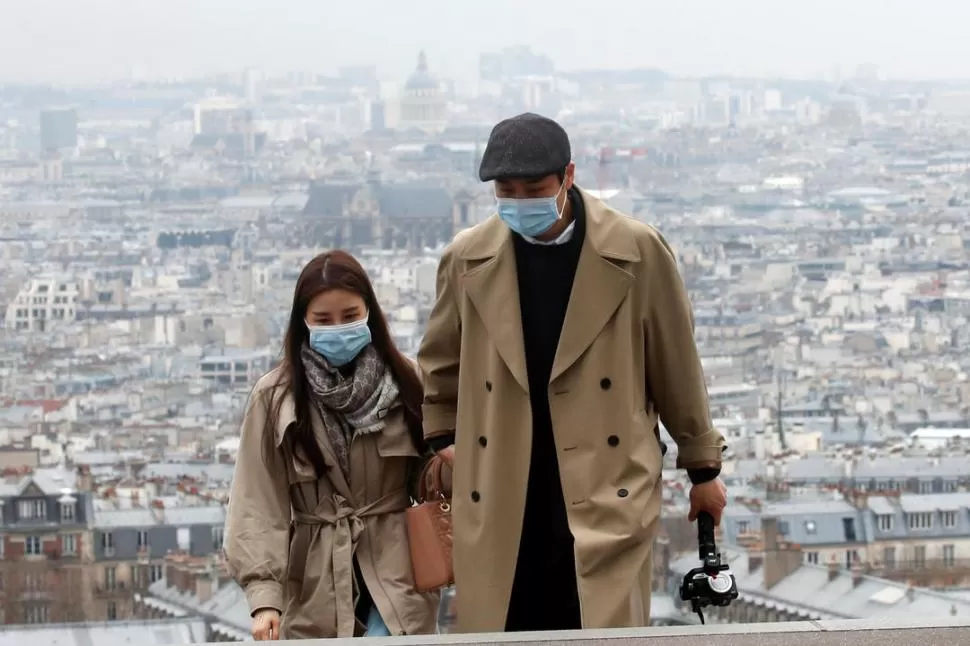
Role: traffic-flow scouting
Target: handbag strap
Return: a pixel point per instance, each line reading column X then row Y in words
column 432, row 484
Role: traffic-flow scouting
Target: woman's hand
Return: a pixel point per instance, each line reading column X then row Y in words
column 266, row 624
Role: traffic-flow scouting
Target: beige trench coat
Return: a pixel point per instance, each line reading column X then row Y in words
column 626, row 355
column 290, row 536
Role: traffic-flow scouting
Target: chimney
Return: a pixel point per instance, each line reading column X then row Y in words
column 860, row 498
column 856, row 575
column 782, row 559
column 204, row 585
column 84, row 480
column 833, row 570
column 755, row 561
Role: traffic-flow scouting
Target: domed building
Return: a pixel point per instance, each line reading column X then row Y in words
column 422, row 103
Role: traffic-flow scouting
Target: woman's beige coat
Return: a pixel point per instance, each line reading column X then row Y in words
column 291, row 536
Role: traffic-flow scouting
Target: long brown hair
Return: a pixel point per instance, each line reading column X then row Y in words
column 337, row 269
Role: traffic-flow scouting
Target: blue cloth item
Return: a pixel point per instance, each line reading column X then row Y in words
column 375, row 624
column 340, row 344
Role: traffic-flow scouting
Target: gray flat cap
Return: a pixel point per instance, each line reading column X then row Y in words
column 527, row 145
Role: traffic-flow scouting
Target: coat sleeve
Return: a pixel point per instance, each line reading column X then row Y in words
column 258, row 520
column 675, row 378
column 439, row 353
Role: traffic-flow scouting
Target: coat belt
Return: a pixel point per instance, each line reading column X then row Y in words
column 347, row 524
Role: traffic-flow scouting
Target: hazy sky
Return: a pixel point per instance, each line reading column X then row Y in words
column 78, row 41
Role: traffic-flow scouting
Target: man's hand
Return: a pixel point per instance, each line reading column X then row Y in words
column 266, row 625
column 448, row 455
column 710, row 497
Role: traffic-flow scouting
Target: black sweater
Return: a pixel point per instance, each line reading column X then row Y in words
column 544, row 593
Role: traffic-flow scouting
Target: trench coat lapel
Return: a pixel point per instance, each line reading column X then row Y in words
column 493, row 289
column 335, row 474
column 600, row 285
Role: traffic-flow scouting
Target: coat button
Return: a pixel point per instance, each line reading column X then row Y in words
column 605, row 383
column 488, row 386
column 613, row 440
column 476, row 496
column 482, row 440
column 622, row 493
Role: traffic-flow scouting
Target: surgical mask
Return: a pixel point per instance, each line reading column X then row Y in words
column 340, row 344
column 532, row 216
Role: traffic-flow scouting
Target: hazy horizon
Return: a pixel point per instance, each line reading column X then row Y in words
column 64, row 42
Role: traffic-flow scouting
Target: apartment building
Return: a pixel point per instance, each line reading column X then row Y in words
column 41, row 303
column 234, row 367
column 130, row 546
column 921, row 539
column 905, row 474
column 777, row 584
column 45, row 544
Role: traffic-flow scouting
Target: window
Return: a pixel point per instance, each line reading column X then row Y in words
column 885, row 522
column 33, row 581
column 35, row 614
column 33, row 509
column 889, row 557
column 112, row 611
column 69, row 544
column 809, row 526
column 155, row 573
column 217, row 537
column 851, row 558
column 108, row 543
column 742, row 526
column 783, row 527
column 948, row 556
column 32, row 546
column 143, row 539
column 948, row 518
column 110, row 578
column 921, row 520
column 67, row 511
column 848, row 529
column 811, row 557
column 184, row 538
column 919, row 556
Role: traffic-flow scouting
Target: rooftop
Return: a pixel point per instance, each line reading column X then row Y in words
column 814, row 633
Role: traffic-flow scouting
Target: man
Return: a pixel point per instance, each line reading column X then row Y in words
column 560, row 332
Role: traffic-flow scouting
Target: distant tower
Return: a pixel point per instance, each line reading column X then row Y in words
column 249, row 133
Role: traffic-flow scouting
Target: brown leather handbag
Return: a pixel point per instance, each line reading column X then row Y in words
column 430, row 531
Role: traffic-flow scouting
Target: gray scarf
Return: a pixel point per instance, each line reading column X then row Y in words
column 351, row 405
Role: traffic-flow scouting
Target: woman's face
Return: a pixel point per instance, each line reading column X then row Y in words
column 335, row 307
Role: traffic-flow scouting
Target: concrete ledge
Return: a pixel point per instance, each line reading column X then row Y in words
column 868, row 632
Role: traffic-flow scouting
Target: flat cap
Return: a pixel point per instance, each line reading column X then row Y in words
column 527, row 145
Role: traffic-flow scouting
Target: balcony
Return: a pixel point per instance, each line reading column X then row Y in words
column 926, row 572
column 104, row 591
column 874, row 632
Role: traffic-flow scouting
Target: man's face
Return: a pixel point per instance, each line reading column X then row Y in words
column 547, row 186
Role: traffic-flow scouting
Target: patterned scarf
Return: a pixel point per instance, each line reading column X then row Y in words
column 351, row 405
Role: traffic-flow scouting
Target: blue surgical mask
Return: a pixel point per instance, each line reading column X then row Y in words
column 340, row 344
column 532, row 216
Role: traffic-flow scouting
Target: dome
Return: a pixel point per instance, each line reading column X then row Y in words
column 421, row 79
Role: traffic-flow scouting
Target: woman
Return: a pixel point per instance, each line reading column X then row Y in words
column 316, row 531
